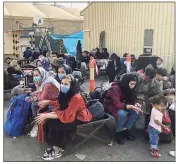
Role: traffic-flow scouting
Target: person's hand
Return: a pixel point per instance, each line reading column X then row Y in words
column 41, row 118
column 137, row 109
column 165, row 127
column 138, row 105
column 43, row 103
column 168, row 91
column 31, row 99
column 165, row 78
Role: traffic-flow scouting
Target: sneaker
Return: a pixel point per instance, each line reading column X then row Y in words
column 155, row 153
column 58, row 149
column 150, row 149
column 51, row 154
column 172, row 153
column 119, row 138
column 34, row 131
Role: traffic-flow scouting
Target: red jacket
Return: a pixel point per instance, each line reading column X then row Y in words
column 114, row 101
column 76, row 110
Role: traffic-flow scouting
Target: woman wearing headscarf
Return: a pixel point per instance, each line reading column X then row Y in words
column 105, row 53
column 69, row 109
column 98, row 54
column 47, row 89
column 14, row 63
column 119, row 102
column 113, row 67
column 43, row 62
column 61, row 72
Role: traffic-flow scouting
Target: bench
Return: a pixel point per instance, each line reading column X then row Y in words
column 97, row 124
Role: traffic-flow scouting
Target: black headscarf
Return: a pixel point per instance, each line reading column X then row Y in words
column 66, row 70
column 98, row 54
column 129, row 95
column 65, row 98
column 105, row 53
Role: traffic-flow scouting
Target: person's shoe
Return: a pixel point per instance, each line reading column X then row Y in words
column 51, row 154
column 155, row 153
column 58, row 149
column 119, row 138
column 34, row 131
column 127, row 135
column 172, row 153
column 150, row 149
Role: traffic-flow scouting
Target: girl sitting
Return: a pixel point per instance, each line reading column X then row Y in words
column 69, row 110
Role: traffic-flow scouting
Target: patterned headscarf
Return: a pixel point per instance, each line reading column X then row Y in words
column 46, row 78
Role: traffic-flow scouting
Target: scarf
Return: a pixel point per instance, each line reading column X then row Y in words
column 46, row 78
column 63, row 98
column 126, row 90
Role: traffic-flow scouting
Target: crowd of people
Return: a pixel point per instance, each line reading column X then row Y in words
column 58, row 105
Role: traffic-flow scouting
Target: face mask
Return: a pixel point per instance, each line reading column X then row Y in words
column 37, row 79
column 61, row 76
column 64, row 89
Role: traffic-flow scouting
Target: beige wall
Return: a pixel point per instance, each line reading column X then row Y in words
column 60, row 26
column 8, row 43
column 124, row 25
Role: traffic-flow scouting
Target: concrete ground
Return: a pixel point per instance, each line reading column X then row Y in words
column 25, row 148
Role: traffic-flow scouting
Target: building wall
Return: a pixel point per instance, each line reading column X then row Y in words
column 8, row 43
column 60, row 26
column 124, row 25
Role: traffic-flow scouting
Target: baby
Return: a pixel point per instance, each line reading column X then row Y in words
column 155, row 125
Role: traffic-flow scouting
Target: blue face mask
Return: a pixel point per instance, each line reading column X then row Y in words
column 37, row 79
column 61, row 76
column 64, row 88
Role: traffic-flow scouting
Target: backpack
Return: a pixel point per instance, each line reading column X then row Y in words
column 166, row 121
column 17, row 116
column 96, row 109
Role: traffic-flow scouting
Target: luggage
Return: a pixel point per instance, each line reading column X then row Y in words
column 96, row 109
column 17, row 116
column 172, row 117
column 166, row 135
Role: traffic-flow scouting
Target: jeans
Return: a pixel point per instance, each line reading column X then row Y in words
column 124, row 122
column 154, row 136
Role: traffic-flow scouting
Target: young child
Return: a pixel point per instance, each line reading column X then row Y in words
column 155, row 125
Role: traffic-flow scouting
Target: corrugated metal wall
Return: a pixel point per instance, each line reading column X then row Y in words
column 125, row 23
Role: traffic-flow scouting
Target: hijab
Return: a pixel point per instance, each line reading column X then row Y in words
column 46, row 78
column 98, row 54
column 45, row 62
column 66, row 71
column 14, row 63
column 63, row 98
column 126, row 90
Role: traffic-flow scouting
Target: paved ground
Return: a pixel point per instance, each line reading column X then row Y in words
column 26, row 148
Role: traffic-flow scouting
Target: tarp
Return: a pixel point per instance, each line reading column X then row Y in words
column 70, row 41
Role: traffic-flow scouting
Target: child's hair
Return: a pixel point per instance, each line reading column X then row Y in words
column 159, row 99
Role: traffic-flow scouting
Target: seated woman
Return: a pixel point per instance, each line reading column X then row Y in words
column 68, row 111
column 61, row 72
column 47, row 88
column 119, row 102
column 14, row 63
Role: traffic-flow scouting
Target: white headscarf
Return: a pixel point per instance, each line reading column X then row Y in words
column 46, row 78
